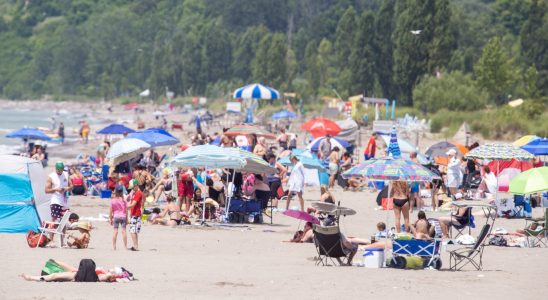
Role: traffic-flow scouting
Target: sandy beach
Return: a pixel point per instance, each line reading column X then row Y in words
column 250, row 261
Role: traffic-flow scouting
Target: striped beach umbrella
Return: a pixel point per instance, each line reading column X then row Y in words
column 246, row 129
column 208, row 156
column 499, row 151
column 391, row 169
column 393, row 147
column 256, row 91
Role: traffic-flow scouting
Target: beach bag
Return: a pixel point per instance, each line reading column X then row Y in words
column 387, row 203
column 34, row 239
column 280, row 193
column 498, row 241
column 51, row 267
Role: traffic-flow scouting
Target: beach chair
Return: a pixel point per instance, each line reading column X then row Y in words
column 266, row 203
column 461, row 257
column 57, row 228
column 537, row 237
column 329, row 244
column 467, row 222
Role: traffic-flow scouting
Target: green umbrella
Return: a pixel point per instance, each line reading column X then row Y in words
column 531, row 181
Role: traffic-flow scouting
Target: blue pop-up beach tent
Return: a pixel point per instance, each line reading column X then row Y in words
column 23, row 202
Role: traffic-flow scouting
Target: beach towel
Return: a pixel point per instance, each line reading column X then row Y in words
column 51, row 267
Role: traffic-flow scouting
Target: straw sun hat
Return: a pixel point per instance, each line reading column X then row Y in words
column 84, row 225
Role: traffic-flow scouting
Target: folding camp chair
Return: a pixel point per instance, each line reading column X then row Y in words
column 467, row 222
column 266, row 203
column 461, row 257
column 537, row 237
column 59, row 230
column 329, row 244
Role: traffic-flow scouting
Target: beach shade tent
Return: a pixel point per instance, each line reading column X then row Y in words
column 537, row 147
column 393, row 147
column 349, row 130
column 126, row 149
column 284, row 114
column 440, row 149
column 406, row 148
column 256, row 91
column 23, row 201
column 29, row 134
column 499, row 151
column 524, row 140
column 321, row 127
column 160, row 130
column 462, row 136
column 335, row 142
column 246, row 129
column 115, row 129
column 154, row 139
column 531, row 181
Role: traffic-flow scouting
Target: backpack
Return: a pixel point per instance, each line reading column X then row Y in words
column 35, row 238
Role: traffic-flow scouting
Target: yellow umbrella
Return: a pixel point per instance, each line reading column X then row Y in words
column 524, row 140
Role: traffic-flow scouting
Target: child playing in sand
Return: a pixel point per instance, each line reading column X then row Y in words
column 82, row 241
column 118, row 215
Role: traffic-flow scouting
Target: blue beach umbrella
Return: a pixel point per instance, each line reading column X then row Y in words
column 284, row 114
column 29, row 134
column 393, row 147
column 256, row 91
column 155, row 139
column 335, row 142
column 115, row 129
column 537, row 147
column 309, row 160
column 159, row 130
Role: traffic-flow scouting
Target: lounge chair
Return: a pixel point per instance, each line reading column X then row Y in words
column 467, row 222
column 537, row 237
column 461, row 257
column 329, row 244
column 59, row 230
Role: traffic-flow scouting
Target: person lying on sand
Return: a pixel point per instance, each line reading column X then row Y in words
column 86, row 272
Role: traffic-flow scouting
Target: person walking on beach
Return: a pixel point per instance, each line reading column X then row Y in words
column 333, row 166
column 61, row 132
column 325, row 147
column 58, row 185
column 282, row 139
column 118, row 215
column 454, row 174
column 296, row 182
column 369, row 151
column 135, row 206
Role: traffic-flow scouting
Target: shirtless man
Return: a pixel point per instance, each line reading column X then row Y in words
column 422, row 230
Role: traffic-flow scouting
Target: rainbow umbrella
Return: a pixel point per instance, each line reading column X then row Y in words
column 391, row 169
column 499, row 151
column 245, row 129
column 393, row 147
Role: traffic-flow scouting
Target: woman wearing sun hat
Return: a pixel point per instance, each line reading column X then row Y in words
column 82, row 241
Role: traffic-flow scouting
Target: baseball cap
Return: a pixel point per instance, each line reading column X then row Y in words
column 59, row 165
column 133, row 183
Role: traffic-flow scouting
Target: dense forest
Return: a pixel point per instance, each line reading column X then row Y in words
column 431, row 54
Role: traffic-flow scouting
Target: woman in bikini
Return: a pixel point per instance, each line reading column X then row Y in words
column 173, row 211
column 400, row 194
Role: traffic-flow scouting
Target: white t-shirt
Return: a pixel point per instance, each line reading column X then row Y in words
column 296, row 179
column 59, row 181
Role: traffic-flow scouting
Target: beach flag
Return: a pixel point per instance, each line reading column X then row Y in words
column 393, row 147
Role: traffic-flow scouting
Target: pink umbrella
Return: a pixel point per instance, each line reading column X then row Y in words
column 301, row 215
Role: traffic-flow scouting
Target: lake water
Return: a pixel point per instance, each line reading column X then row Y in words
column 13, row 119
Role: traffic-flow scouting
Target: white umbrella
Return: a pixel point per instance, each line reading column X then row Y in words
column 126, row 149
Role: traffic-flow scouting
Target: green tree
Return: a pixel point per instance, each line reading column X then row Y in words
column 362, row 58
column 344, row 40
column 534, row 42
column 291, row 69
column 244, row 51
column 443, row 37
column 325, row 62
column 312, row 72
column 494, row 71
column 453, row 91
column 275, row 65
column 259, row 63
column 384, row 47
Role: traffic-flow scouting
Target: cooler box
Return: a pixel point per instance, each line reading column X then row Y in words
column 106, row 194
column 324, row 178
column 373, row 258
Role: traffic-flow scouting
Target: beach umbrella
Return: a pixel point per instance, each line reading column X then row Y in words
column 284, row 114
column 253, row 163
column 531, row 181
column 29, row 134
column 246, row 129
column 321, row 127
column 208, row 156
column 301, row 215
column 440, row 149
column 406, row 148
column 126, row 149
column 155, row 139
column 335, row 142
column 499, row 151
column 115, row 129
column 131, row 106
column 159, row 130
column 256, row 91
column 524, row 140
column 391, row 169
column 309, row 160
column 393, row 147
column 537, row 147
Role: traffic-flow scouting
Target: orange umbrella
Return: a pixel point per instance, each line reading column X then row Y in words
column 321, row 127
column 463, row 149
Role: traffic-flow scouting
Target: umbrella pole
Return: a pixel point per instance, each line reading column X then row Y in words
column 229, row 195
column 204, row 178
